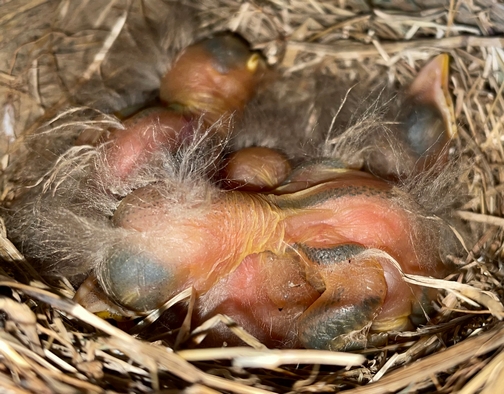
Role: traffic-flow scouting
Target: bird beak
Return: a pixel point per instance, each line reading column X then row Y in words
column 430, row 88
column 92, row 297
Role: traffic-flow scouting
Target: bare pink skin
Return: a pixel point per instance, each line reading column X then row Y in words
column 151, row 130
column 297, row 295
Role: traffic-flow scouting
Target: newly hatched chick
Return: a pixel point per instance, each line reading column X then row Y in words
column 426, row 125
column 209, row 83
column 328, row 233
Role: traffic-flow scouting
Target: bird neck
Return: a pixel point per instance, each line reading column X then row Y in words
column 240, row 224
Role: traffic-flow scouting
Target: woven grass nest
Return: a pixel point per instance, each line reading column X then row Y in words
column 59, row 55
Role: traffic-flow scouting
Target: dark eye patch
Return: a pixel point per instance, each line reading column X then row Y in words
column 135, row 279
column 227, row 53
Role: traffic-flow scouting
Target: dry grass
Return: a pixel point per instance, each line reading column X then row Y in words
column 51, row 50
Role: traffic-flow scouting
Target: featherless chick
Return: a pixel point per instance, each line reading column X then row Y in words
column 209, row 83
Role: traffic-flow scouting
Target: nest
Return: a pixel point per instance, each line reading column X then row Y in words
column 56, row 55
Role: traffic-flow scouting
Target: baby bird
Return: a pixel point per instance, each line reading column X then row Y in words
column 327, row 234
column 425, row 126
column 214, row 77
column 301, row 253
column 209, row 83
column 304, row 265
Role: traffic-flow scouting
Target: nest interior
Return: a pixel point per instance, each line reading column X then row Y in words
column 58, row 55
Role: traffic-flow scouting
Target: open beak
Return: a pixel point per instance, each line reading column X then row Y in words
column 430, row 88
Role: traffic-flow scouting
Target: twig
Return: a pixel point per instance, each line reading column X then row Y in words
column 441, row 361
column 346, row 50
column 481, row 218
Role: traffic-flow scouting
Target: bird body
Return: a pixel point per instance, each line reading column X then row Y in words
column 246, row 247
